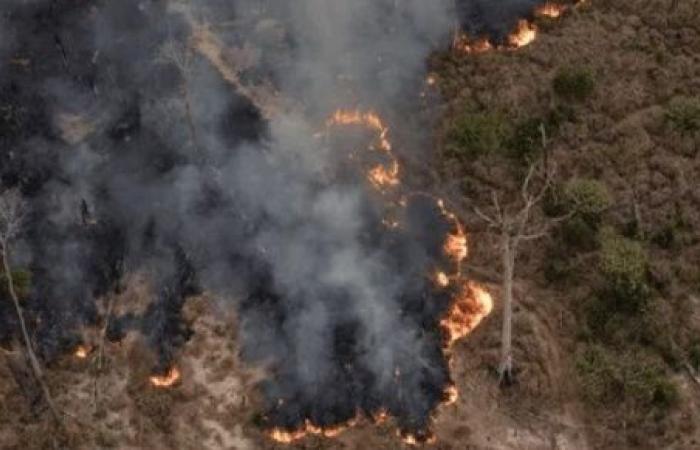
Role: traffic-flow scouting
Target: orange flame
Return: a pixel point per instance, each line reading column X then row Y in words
column 411, row 439
column 82, row 352
column 468, row 310
column 463, row 44
column 451, row 394
column 167, row 380
column 551, row 10
column 287, row 437
column 381, row 176
column 524, row 34
column 442, row 279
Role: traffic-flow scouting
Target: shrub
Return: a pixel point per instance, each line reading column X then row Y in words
column 579, row 234
column 526, row 140
column 574, row 83
column 683, row 114
column 588, row 198
column 623, row 263
column 477, row 134
column 635, row 378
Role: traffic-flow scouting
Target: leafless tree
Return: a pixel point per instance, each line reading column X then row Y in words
column 514, row 225
column 12, row 211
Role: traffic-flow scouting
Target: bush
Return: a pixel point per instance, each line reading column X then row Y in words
column 588, row 198
column 623, row 263
column 579, row 234
column 574, row 84
column 635, row 378
column 477, row 134
column 683, row 114
column 526, row 141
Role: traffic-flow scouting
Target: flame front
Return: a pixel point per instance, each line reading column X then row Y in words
column 549, row 9
column 287, row 437
column 524, row 34
column 468, row 307
column 381, row 175
column 468, row 310
column 167, row 380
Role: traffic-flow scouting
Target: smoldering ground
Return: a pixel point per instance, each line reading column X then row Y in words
column 134, row 154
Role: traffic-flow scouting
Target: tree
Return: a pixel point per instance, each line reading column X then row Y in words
column 12, row 211
column 515, row 225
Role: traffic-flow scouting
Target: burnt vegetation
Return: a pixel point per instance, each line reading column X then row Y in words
column 163, row 169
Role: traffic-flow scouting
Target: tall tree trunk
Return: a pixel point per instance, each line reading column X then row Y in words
column 31, row 356
column 505, row 369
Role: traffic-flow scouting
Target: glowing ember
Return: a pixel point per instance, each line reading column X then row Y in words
column 81, row 352
column 442, row 279
column 411, row 439
column 167, row 380
column 430, row 81
column 523, row 35
column 552, row 10
column 451, row 394
column 469, row 309
column 380, row 416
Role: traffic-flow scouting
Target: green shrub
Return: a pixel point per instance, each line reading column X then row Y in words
column 588, row 198
column 478, row 134
column 623, row 263
column 526, row 140
column 611, row 379
column 683, row 114
column 574, row 83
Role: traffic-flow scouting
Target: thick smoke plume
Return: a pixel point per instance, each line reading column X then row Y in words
column 181, row 140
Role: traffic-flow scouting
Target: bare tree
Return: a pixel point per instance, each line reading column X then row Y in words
column 515, row 225
column 12, row 211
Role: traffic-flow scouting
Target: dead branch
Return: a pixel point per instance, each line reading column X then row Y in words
column 11, row 216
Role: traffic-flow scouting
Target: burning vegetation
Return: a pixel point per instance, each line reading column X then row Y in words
column 205, row 174
column 169, row 379
column 524, row 33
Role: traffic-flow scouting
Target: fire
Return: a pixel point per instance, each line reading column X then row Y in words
column 549, row 9
column 456, row 246
column 412, row 439
column 381, row 175
column 468, row 310
column 380, row 416
column 287, row 437
column 524, row 34
column 167, row 380
column 451, row 394
column 81, row 352
column 442, row 279
column 463, row 44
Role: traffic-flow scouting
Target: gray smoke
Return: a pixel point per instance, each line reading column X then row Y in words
column 136, row 155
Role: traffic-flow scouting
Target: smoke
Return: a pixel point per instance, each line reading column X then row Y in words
column 493, row 18
column 137, row 155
